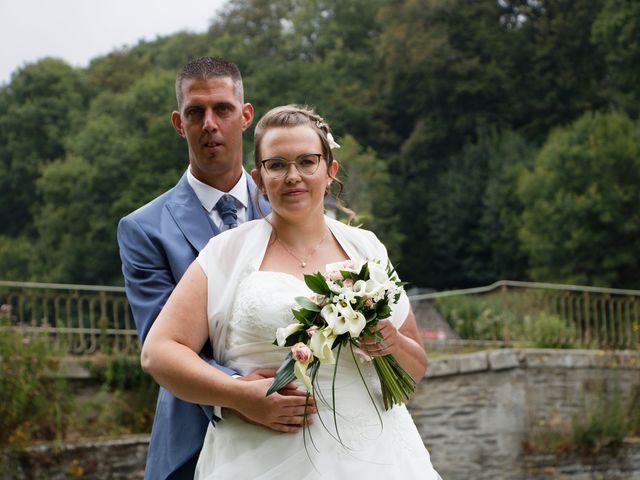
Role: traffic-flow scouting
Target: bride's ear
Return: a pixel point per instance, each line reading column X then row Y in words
column 255, row 175
column 333, row 170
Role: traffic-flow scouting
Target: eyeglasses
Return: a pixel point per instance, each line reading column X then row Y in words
column 306, row 164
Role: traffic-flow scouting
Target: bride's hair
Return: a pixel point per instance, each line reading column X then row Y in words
column 287, row 116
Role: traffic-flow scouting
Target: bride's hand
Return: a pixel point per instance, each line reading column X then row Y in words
column 283, row 411
column 387, row 345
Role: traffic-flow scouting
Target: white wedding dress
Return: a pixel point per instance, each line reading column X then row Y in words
column 367, row 447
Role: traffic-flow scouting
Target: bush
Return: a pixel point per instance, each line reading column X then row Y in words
column 550, row 331
column 32, row 398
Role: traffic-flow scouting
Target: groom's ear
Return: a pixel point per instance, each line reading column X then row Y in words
column 176, row 121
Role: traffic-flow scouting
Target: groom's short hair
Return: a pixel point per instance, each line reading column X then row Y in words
column 204, row 68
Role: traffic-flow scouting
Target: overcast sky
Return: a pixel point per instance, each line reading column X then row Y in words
column 79, row 30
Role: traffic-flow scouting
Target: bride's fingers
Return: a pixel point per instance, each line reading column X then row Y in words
column 299, row 411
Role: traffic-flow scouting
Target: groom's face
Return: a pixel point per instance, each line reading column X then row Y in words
column 212, row 119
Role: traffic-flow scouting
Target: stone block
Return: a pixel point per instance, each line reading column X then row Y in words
column 441, row 367
column 503, row 359
column 473, row 362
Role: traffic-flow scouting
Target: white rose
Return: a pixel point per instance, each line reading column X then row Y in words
column 378, row 273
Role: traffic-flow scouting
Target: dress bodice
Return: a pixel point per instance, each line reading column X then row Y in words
column 263, row 303
column 358, row 440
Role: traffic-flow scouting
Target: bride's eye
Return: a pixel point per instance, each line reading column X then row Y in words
column 276, row 165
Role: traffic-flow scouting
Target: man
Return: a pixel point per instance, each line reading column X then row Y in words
column 161, row 239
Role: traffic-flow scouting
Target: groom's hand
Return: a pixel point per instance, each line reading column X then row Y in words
column 262, row 373
column 283, row 411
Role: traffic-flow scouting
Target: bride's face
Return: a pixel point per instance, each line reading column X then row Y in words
column 295, row 195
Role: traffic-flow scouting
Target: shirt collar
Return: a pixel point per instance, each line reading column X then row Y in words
column 209, row 196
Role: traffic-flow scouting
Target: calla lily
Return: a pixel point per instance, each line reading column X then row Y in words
column 321, row 344
column 330, row 314
column 300, row 370
column 283, row 332
column 349, row 320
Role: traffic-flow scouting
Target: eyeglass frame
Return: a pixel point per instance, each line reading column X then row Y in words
column 294, row 162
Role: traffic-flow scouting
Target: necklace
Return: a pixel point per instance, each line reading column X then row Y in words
column 303, row 261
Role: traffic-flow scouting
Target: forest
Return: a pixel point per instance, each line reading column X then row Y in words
column 481, row 139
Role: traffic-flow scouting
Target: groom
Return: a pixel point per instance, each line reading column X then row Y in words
column 161, row 239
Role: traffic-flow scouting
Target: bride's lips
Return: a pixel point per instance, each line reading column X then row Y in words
column 295, row 192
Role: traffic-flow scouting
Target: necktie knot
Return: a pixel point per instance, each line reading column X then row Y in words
column 226, row 207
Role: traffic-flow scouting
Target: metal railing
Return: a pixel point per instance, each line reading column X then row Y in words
column 512, row 312
column 88, row 319
column 78, row 319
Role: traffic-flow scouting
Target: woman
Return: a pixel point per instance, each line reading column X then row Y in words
column 242, row 288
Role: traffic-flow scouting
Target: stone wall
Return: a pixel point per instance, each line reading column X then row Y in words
column 114, row 459
column 475, row 411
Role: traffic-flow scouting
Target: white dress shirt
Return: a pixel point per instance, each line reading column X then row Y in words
column 209, row 196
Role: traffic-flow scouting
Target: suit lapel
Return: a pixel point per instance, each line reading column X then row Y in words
column 190, row 216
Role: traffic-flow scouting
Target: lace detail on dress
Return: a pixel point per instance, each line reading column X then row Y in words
column 263, row 304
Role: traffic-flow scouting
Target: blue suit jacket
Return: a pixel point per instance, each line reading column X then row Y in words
column 157, row 243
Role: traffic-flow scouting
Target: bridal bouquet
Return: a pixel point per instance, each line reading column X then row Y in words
column 348, row 301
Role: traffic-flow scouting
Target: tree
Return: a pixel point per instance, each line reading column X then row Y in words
column 38, row 109
column 126, row 153
column 616, row 34
column 581, row 221
column 367, row 192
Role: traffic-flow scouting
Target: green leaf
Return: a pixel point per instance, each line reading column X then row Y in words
column 317, row 284
column 299, row 336
column 284, row 376
column 307, row 304
column 384, row 311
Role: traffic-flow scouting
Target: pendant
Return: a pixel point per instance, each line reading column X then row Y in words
column 303, row 264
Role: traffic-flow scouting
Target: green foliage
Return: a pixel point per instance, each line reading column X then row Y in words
column 439, row 106
column 481, row 318
column 125, row 402
column 125, row 154
column 32, row 399
column 550, row 331
column 36, row 404
column 15, row 254
column 581, row 220
column 615, row 33
column 367, row 191
column 38, row 109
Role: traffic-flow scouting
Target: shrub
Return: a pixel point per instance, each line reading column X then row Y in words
column 32, row 397
column 550, row 331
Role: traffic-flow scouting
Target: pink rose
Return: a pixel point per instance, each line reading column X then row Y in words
column 368, row 301
column 348, row 283
column 311, row 331
column 333, row 275
column 301, row 353
column 349, row 264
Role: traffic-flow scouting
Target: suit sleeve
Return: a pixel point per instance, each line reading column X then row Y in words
column 148, row 283
column 148, row 280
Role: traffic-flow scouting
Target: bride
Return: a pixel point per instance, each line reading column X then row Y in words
column 242, row 288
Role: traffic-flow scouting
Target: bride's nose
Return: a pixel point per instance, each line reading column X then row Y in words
column 292, row 175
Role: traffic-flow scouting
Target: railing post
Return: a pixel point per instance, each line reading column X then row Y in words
column 104, row 324
column 505, row 324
